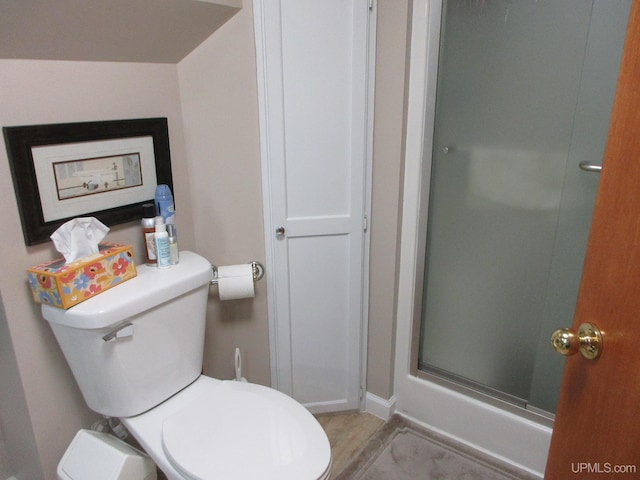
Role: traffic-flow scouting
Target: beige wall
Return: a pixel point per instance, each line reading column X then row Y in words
column 19, row 442
column 210, row 100
column 388, row 136
column 219, row 101
column 54, row 92
column 220, row 105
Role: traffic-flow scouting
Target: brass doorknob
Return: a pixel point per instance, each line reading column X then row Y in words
column 588, row 341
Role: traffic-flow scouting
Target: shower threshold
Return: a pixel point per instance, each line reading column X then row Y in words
column 483, row 393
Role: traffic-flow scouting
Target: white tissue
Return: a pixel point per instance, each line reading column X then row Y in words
column 235, row 281
column 79, row 238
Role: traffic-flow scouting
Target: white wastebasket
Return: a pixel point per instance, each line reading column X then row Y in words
column 100, row 456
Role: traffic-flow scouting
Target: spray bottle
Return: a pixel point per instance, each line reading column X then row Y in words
column 173, row 244
column 164, row 204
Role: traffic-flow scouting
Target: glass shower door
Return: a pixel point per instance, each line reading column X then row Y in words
column 524, row 94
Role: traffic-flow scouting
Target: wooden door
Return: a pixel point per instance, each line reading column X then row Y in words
column 313, row 81
column 597, row 428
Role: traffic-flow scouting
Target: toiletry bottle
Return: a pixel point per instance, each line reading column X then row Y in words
column 173, row 244
column 164, row 204
column 148, row 231
column 162, row 244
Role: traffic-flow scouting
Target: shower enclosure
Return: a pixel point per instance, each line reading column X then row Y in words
column 523, row 100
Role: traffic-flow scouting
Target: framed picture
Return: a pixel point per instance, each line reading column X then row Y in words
column 106, row 170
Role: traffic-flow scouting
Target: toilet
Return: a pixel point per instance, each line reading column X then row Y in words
column 136, row 353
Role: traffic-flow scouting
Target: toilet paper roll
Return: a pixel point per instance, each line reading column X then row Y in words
column 235, row 281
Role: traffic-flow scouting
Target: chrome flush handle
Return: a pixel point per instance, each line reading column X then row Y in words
column 124, row 330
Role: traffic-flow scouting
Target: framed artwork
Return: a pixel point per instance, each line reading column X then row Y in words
column 106, row 170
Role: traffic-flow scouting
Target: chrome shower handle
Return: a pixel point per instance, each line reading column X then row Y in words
column 588, row 167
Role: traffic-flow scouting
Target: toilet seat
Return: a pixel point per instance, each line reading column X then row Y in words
column 245, row 431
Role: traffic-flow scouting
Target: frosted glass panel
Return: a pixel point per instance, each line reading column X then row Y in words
column 521, row 86
column 597, row 88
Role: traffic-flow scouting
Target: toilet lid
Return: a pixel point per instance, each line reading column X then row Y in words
column 246, row 431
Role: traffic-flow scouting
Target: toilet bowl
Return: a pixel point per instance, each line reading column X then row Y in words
column 136, row 353
column 233, row 430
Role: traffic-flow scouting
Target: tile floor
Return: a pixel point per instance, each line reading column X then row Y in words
column 348, row 433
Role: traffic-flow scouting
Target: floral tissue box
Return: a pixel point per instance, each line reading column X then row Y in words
column 64, row 286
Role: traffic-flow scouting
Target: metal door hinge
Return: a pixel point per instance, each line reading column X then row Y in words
column 370, row 4
column 365, row 223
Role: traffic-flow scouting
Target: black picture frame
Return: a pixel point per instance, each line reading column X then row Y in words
column 21, row 140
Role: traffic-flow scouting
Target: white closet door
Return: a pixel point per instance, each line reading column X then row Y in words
column 312, row 75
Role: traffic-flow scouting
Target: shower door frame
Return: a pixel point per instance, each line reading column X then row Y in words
column 507, row 432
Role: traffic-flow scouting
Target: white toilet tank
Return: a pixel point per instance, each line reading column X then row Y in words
column 134, row 345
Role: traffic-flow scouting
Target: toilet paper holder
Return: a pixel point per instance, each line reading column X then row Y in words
column 256, row 267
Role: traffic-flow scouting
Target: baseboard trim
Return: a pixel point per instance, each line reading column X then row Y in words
column 380, row 407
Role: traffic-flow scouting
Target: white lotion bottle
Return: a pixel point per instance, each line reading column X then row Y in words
column 161, row 238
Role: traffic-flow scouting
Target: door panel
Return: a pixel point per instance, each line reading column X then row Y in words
column 596, row 428
column 319, row 335
column 312, row 72
column 317, row 41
